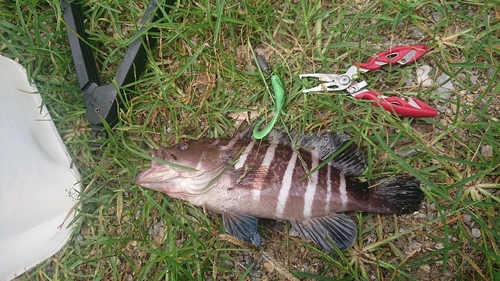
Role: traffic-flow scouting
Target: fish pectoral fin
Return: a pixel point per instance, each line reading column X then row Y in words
column 243, row 227
column 338, row 229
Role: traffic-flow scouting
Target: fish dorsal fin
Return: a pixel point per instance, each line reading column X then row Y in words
column 243, row 227
column 349, row 161
column 339, row 229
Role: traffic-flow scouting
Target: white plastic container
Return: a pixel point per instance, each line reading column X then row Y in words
column 37, row 181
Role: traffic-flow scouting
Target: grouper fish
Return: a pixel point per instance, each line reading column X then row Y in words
column 278, row 178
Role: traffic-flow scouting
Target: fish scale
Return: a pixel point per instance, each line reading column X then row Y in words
column 244, row 179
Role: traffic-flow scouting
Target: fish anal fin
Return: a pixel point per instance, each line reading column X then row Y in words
column 243, row 227
column 339, row 229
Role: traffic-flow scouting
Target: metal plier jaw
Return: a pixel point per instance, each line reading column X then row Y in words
column 403, row 106
column 332, row 82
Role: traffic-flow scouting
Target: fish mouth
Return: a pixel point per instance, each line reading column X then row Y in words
column 177, row 182
column 160, row 179
column 156, row 174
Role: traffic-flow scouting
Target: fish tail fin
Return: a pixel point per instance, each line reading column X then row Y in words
column 397, row 195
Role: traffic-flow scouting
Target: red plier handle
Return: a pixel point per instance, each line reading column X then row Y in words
column 400, row 54
column 406, row 107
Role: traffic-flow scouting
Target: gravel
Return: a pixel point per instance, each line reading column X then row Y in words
column 423, row 75
column 476, row 233
column 467, row 219
column 446, row 89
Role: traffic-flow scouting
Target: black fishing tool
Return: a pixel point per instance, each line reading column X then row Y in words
column 101, row 100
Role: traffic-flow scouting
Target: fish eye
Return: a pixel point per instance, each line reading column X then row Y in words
column 182, row 146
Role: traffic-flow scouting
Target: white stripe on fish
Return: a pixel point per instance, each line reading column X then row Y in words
column 342, row 190
column 328, row 188
column 243, row 156
column 268, row 158
column 311, row 189
column 286, row 184
column 230, row 144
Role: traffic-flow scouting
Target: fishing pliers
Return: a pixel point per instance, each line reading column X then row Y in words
column 403, row 106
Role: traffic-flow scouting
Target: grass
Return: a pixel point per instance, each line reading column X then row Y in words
column 201, row 73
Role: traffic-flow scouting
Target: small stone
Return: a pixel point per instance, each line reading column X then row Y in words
column 431, row 217
column 432, row 206
column 487, row 151
column 442, row 108
column 423, row 75
column 421, row 216
column 445, row 89
column 418, row 33
column 449, row 112
column 473, row 79
column 229, row 263
column 453, row 107
column 439, row 246
column 476, row 232
column 437, row 16
column 409, row 81
column 426, row 268
column 414, row 247
column 462, row 77
column 467, row 218
column 155, row 228
column 409, row 153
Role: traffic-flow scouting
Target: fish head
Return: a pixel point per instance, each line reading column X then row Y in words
column 206, row 162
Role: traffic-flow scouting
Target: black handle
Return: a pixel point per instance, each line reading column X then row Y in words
column 100, row 100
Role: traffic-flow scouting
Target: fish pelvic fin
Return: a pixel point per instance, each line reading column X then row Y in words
column 397, row 195
column 337, row 229
column 243, row 227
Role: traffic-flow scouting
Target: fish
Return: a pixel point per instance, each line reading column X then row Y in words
column 309, row 180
